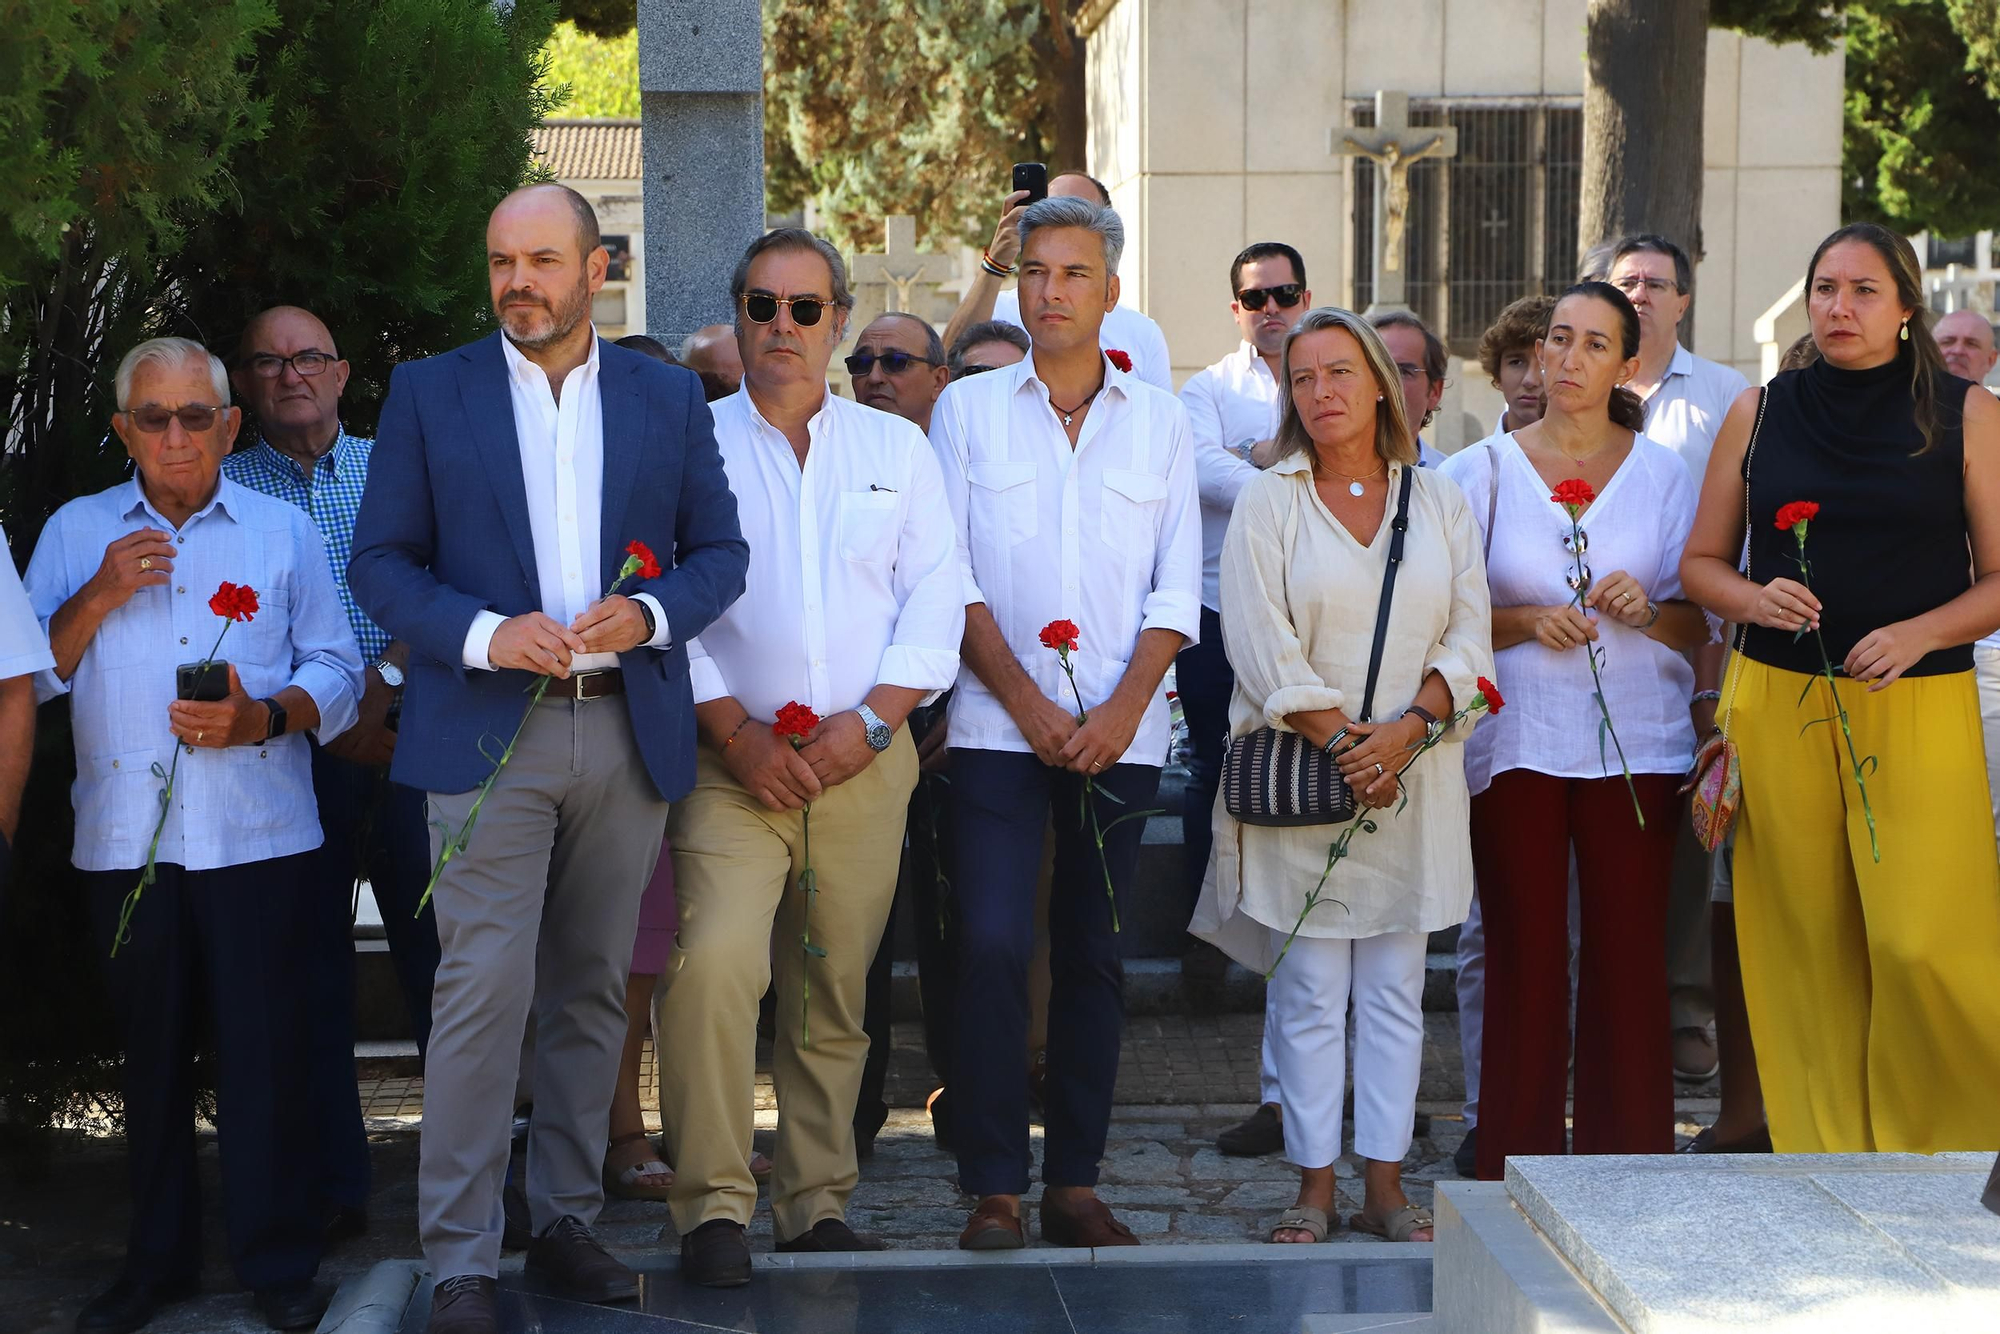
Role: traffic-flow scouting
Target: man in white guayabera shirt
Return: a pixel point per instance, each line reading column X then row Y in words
column 1072, row 485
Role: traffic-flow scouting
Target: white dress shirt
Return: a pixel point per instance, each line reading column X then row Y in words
column 1106, row 534
column 1230, row 407
column 1686, row 408
column 231, row 806
column 1137, row 335
column 23, row 647
column 562, row 465
column 854, row 577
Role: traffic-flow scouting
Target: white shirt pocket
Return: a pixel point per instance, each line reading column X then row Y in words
column 1001, row 508
column 868, row 526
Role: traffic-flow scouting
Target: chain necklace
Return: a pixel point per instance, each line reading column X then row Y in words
column 1069, row 414
column 1354, row 487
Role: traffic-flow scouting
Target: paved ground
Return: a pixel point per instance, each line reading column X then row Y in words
column 1182, row 1081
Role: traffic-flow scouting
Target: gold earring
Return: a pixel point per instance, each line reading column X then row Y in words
column 1905, row 334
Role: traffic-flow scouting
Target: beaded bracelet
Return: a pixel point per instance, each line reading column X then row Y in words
column 733, row 735
column 1706, row 697
column 987, row 263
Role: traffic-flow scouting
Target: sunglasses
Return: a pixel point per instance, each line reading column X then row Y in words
column 269, row 365
column 974, row 370
column 895, row 361
column 194, row 417
column 762, row 308
column 1577, row 543
column 1286, row 295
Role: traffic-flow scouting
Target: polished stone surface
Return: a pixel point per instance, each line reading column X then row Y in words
column 1025, row 1295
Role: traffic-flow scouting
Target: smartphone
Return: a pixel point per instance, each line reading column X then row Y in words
column 202, row 681
column 1034, row 178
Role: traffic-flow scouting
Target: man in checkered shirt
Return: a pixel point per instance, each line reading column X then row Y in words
column 289, row 374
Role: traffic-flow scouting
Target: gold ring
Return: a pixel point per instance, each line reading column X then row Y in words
column 145, row 564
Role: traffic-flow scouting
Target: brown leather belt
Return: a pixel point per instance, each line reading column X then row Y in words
column 589, row 685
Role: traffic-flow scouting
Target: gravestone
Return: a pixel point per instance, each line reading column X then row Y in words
column 701, row 102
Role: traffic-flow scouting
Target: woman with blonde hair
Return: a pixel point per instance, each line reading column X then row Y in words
column 1311, row 544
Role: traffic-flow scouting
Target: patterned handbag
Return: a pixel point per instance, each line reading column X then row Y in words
column 1271, row 777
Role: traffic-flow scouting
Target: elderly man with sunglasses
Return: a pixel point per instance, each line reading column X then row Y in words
column 898, row 365
column 854, row 609
column 124, row 582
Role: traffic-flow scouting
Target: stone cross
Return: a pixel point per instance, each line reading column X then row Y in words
column 1395, row 146
column 908, row 277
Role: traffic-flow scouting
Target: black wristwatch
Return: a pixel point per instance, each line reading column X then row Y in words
column 277, row 719
column 652, row 626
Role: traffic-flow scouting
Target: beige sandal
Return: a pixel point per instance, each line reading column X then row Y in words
column 629, row 1182
column 1300, row 1218
column 1397, row 1226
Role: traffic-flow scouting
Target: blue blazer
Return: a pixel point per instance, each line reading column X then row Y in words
column 443, row 533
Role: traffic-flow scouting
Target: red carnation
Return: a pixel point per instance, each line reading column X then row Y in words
column 1573, row 495
column 1491, row 693
column 649, row 564
column 1060, row 636
column 1119, row 359
column 1796, row 514
column 795, row 722
column 234, row 602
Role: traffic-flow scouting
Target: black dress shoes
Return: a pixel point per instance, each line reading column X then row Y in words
column 295, row 1305
column 577, row 1262
column 716, row 1255
column 128, row 1304
column 1263, row 1132
column 464, row 1304
column 344, row 1222
column 832, row 1234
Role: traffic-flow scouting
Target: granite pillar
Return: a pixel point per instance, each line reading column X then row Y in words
column 701, row 98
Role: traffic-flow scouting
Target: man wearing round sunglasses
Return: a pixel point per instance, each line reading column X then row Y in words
column 898, row 366
column 854, row 609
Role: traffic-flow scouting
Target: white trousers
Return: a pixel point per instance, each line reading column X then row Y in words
column 1305, row 1027
column 1472, row 989
column 1986, row 669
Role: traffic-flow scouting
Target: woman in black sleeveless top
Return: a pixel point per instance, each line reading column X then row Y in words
column 1867, row 882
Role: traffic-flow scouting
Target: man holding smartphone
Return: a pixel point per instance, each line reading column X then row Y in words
column 1124, row 329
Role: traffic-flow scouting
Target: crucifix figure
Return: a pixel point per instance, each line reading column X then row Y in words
column 1394, row 145
column 901, row 268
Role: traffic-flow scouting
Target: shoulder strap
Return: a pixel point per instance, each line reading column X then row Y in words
column 1400, row 529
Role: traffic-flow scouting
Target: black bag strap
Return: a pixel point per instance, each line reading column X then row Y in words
column 1400, row 527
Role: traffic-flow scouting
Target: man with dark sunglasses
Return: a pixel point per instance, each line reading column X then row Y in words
column 898, row 366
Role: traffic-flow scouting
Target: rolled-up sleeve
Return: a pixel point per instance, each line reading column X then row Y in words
column 1464, row 653
column 923, row 651
column 948, row 445
column 1175, row 600
column 50, row 582
column 1262, row 643
column 326, row 661
column 704, row 675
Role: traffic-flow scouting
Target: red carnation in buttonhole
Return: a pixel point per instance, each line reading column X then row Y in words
column 1119, row 359
column 649, row 564
column 1060, row 636
column 1573, row 495
column 234, row 602
column 795, row 722
column 1796, row 514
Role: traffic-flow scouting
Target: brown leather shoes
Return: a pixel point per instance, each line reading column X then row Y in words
column 1082, row 1221
column 993, row 1227
column 576, row 1261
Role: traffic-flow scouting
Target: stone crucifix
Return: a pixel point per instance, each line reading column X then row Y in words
column 901, row 268
column 1394, row 145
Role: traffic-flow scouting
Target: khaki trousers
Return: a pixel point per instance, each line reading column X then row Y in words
column 736, row 867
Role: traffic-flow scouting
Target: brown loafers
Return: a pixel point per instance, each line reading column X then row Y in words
column 993, row 1227
column 1081, row 1222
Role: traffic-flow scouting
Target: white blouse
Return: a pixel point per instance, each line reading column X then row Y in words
column 1638, row 524
column 1299, row 596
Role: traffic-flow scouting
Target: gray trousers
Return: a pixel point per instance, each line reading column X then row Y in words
column 540, row 909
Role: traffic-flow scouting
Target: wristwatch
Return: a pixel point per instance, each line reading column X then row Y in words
column 652, row 626
column 1432, row 727
column 391, row 674
column 277, row 719
column 879, row 733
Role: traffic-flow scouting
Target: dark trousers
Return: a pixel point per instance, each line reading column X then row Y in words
column 1001, row 802
column 922, row 887
column 1523, row 827
column 1205, row 681
column 225, row 946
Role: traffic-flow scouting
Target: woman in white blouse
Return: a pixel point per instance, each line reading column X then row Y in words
column 1545, row 775
column 1302, row 570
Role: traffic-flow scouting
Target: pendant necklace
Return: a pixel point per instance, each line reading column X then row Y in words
column 1354, row 487
column 1069, row 414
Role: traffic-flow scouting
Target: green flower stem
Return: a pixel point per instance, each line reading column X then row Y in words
column 1840, row 710
column 1087, row 803
column 1597, row 682
column 809, row 882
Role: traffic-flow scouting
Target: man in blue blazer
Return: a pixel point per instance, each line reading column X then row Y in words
column 509, row 477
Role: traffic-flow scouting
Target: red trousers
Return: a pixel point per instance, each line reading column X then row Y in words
column 1523, row 828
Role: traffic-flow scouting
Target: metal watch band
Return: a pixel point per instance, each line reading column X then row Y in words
column 877, row 729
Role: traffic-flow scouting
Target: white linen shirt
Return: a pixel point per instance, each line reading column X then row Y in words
column 1686, row 408
column 1125, row 328
column 1230, row 406
column 1638, row 524
column 24, row 649
column 231, row 806
column 562, row 467
column 1107, row 535
column 854, row 577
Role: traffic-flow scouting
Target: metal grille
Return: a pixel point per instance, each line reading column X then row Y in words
column 1495, row 222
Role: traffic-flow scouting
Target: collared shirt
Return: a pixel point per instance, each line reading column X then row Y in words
column 854, row 577
column 23, row 647
column 1686, row 408
column 240, row 804
column 1106, row 534
column 1125, row 328
column 1231, row 406
column 331, row 494
column 562, row 465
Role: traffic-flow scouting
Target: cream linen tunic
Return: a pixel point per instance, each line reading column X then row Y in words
column 1298, row 617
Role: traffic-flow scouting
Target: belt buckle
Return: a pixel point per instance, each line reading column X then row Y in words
column 578, row 684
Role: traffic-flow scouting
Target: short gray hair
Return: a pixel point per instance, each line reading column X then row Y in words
column 170, row 352
column 987, row 331
column 790, row 238
column 1070, row 211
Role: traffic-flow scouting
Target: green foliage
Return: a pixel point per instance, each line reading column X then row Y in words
column 1817, row 23
column 904, row 106
column 601, row 18
column 601, row 73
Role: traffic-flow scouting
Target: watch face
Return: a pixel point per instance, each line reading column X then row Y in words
column 391, row 674
column 879, row 736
